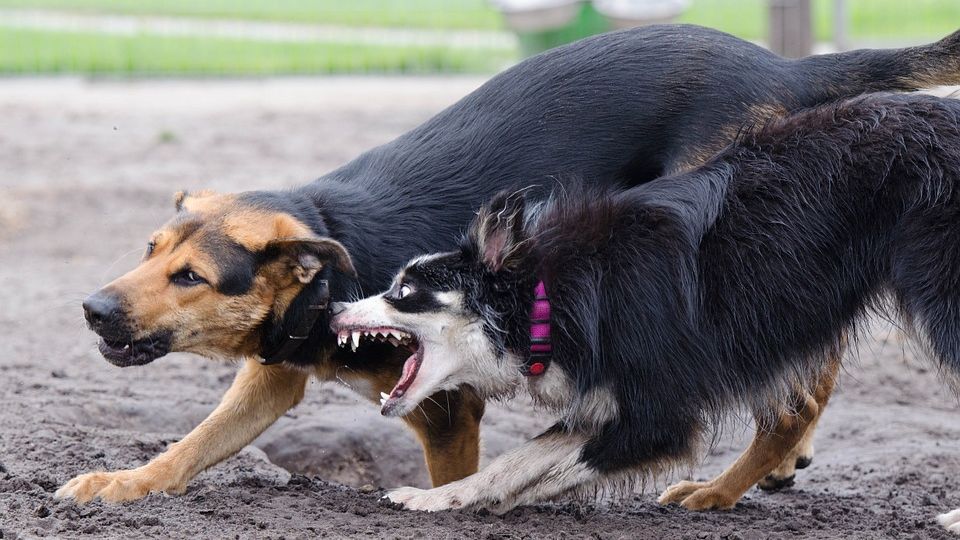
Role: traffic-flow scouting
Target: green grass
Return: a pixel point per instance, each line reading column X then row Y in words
column 39, row 51
column 870, row 20
column 448, row 14
column 33, row 51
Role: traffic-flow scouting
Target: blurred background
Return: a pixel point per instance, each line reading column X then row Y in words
column 304, row 37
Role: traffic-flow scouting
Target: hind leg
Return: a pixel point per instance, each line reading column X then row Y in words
column 799, row 457
column 766, row 452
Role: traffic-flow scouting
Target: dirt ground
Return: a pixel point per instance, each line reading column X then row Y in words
column 87, row 171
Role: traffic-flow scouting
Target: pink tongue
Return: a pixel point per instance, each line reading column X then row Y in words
column 409, row 372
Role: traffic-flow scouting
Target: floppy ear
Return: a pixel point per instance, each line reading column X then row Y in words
column 497, row 231
column 308, row 256
column 181, row 196
column 178, row 198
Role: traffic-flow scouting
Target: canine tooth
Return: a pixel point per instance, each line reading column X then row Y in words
column 355, row 337
column 384, row 396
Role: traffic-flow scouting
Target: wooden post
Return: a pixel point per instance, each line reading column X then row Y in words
column 791, row 28
column 841, row 24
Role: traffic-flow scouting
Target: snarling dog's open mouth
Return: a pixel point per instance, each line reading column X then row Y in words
column 355, row 337
column 134, row 352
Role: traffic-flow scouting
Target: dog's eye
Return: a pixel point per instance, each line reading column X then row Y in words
column 187, row 278
column 404, row 291
column 150, row 247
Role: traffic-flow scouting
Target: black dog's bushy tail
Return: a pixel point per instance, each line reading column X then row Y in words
column 926, row 281
column 877, row 70
column 925, row 254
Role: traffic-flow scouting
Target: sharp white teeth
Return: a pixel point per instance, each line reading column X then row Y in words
column 383, row 402
column 127, row 346
column 384, row 396
column 355, row 338
column 395, row 334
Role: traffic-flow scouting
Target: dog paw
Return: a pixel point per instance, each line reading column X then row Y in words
column 680, row 491
column 698, row 496
column 424, row 500
column 772, row 482
column 950, row 521
column 114, row 487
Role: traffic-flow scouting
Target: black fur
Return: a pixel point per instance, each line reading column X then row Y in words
column 622, row 107
column 727, row 285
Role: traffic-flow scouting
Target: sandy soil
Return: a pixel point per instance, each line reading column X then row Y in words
column 87, row 171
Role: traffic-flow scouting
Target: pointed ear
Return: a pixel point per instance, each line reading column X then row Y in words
column 308, row 256
column 497, row 232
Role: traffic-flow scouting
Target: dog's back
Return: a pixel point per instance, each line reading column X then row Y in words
column 633, row 105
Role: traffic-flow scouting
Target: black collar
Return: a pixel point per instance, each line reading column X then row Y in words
column 299, row 334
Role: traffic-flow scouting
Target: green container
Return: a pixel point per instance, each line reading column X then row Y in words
column 587, row 23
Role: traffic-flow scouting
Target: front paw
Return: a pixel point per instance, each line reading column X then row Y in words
column 425, row 500
column 116, row 487
column 699, row 496
column 950, row 521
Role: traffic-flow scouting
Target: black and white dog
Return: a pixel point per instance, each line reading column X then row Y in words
column 643, row 316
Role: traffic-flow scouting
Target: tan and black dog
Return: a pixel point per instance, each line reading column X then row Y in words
column 250, row 275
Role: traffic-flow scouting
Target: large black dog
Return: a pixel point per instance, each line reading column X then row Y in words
column 246, row 275
column 643, row 316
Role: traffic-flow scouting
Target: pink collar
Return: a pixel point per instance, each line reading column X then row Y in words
column 540, row 346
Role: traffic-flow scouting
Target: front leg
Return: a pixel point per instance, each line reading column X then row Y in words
column 539, row 470
column 447, row 424
column 259, row 395
column 448, row 427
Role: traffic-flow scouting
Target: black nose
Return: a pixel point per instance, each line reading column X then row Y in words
column 101, row 309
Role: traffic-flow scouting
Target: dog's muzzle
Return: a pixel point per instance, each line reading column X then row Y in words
column 105, row 316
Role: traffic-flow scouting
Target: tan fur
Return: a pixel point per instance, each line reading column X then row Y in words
column 259, row 395
column 768, row 451
column 207, row 322
column 447, row 425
